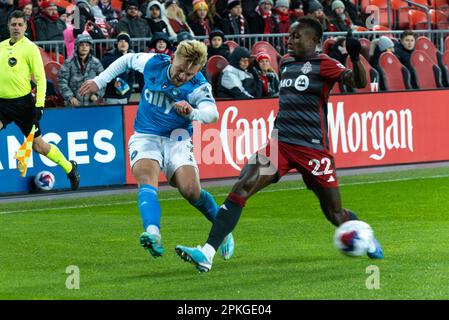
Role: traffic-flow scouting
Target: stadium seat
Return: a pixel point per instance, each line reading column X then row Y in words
column 51, row 71
column 446, row 43
column 423, row 43
column 371, row 74
column 421, row 2
column 268, row 48
column 366, row 45
column 384, row 29
column 393, row 74
column 214, row 66
column 416, row 17
column 360, row 29
column 427, row 73
column 327, row 44
column 336, row 88
column 401, row 9
column 45, row 56
column 381, row 4
column 232, row 45
column 442, row 5
column 439, row 19
column 363, row 5
column 445, row 65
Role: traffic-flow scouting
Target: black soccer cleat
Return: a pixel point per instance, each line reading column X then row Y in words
column 74, row 176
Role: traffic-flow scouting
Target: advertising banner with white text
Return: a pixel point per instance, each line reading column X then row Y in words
column 364, row 130
column 93, row 137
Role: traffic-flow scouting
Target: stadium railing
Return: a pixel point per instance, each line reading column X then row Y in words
column 278, row 41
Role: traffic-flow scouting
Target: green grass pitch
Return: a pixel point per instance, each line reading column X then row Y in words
column 284, row 246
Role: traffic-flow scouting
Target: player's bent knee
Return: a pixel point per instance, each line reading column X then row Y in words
column 191, row 193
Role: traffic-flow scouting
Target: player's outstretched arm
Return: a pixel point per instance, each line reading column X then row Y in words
column 356, row 78
column 134, row 61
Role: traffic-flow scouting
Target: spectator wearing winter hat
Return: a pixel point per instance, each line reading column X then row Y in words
column 48, row 26
column 261, row 20
column 154, row 14
column 217, row 47
column 119, row 90
column 315, row 10
column 81, row 67
column 234, row 23
column 296, row 10
column 239, row 79
column 160, row 44
column 133, row 24
column 267, row 75
column 175, row 19
column 381, row 45
column 200, row 20
column 282, row 15
column 339, row 17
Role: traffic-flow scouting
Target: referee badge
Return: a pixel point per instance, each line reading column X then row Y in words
column 12, row 61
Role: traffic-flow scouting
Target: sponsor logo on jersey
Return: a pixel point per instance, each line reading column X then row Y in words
column 302, row 83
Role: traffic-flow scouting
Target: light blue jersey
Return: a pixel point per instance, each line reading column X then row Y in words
column 156, row 114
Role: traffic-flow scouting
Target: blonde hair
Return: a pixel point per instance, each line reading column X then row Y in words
column 192, row 51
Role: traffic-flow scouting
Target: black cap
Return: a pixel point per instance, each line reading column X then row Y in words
column 216, row 33
column 124, row 36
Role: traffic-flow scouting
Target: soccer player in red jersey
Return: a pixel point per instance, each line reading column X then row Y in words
column 299, row 141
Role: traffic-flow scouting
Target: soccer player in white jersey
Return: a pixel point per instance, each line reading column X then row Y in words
column 174, row 95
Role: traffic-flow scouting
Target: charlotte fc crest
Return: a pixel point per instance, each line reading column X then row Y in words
column 175, row 93
column 306, row 68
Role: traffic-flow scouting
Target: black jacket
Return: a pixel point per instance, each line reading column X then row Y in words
column 127, row 76
column 47, row 30
column 404, row 56
column 222, row 51
column 257, row 24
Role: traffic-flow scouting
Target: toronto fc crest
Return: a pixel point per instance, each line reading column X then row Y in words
column 306, row 68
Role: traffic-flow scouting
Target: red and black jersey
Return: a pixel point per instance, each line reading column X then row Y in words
column 304, row 91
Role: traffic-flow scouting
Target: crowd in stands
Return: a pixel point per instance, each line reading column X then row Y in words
column 244, row 73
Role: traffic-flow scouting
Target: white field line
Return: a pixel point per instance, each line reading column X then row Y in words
column 219, row 195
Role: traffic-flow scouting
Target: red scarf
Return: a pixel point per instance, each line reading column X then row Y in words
column 53, row 17
column 284, row 21
column 242, row 23
column 264, row 80
column 268, row 24
column 205, row 25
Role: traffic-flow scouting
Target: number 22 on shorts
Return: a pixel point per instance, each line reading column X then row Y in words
column 317, row 165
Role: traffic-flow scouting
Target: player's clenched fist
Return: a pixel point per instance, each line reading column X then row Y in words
column 183, row 108
column 88, row 87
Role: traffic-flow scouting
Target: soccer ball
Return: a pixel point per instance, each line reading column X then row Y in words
column 353, row 238
column 44, row 180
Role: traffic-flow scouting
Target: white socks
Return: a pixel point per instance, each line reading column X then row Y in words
column 209, row 251
column 153, row 229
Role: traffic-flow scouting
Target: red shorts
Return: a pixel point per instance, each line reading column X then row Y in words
column 316, row 167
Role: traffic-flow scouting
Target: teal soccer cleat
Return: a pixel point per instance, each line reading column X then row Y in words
column 376, row 251
column 227, row 247
column 152, row 243
column 194, row 256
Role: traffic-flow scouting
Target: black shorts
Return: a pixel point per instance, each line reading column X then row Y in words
column 21, row 112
